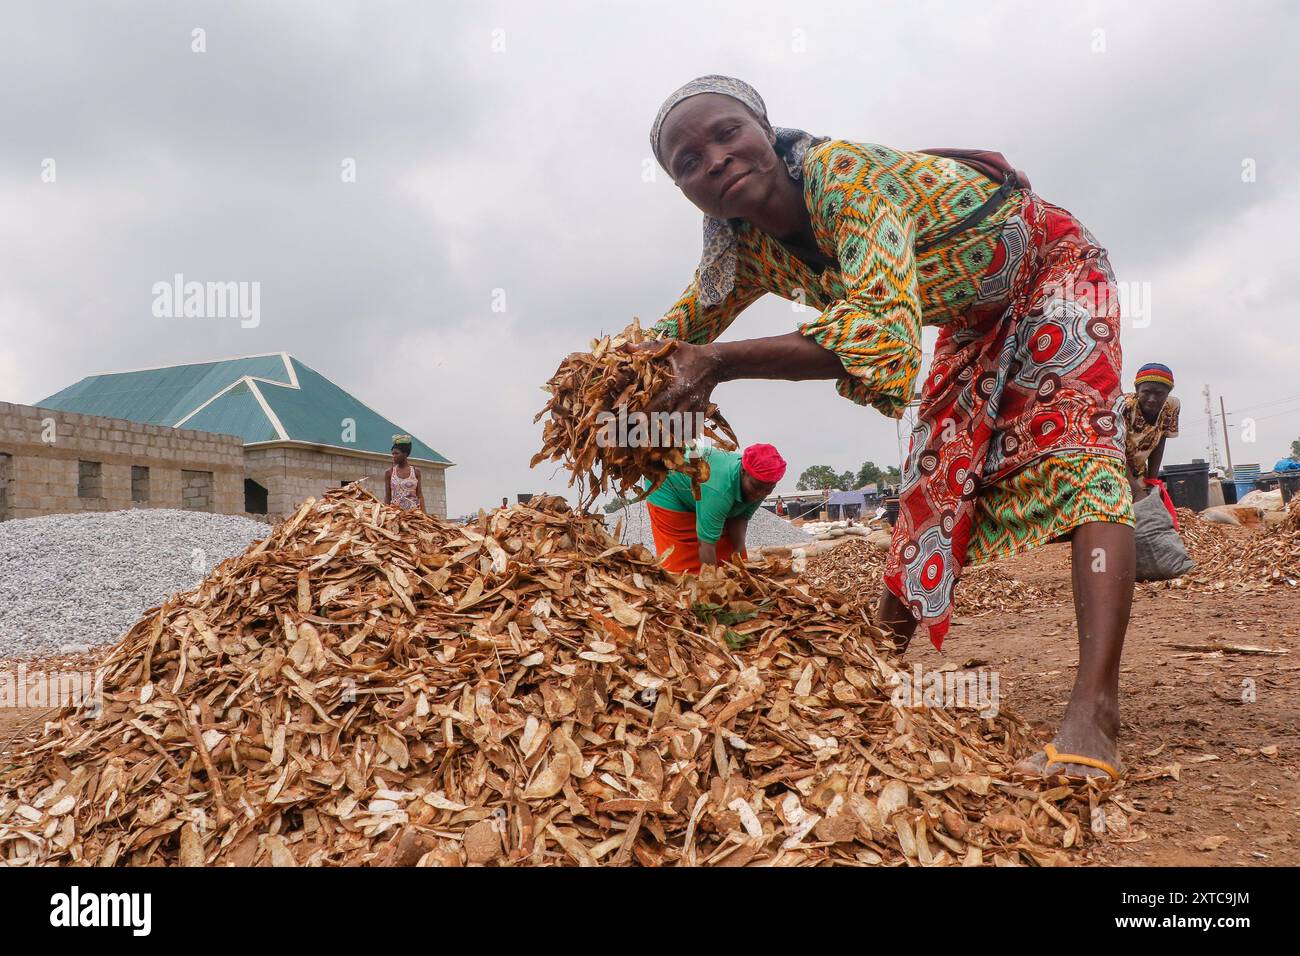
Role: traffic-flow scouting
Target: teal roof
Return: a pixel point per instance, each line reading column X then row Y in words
column 261, row 398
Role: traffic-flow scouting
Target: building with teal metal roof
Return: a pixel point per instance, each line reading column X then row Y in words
column 301, row 432
column 260, row 398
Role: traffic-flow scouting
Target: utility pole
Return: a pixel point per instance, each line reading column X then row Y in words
column 1209, row 418
column 1227, row 445
column 906, row 423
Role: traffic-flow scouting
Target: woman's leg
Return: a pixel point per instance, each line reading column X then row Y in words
column 893, row 615
column 1102, row 559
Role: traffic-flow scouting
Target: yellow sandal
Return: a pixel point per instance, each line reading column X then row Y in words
column 1054, row 756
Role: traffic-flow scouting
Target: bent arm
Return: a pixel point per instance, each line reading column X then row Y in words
column 793, row 357
column 690, row 320
column 1155, row 458
column 736, row 530
column 875, row 330
column 869, row 341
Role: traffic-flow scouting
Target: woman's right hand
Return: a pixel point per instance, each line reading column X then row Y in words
column 695, row 371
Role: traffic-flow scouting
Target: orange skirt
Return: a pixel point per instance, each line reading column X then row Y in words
column 676, row 530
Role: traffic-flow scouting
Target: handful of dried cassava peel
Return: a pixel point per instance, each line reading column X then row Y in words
column 592, row 392
column 367, row 686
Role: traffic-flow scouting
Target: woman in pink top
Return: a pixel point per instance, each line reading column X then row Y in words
column 402, row 482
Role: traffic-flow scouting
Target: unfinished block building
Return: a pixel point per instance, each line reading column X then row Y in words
column 251, row 435
column 54, row 461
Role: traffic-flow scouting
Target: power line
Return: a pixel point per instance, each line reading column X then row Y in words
column 1285, row 411
column 1276, row 401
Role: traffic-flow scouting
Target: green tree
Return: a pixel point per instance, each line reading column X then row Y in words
column 893, row 476
column 868, row 473
column 1295, row 449
column 821, row 478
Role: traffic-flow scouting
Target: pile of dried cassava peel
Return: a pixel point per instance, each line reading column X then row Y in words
column 1227, row 556
column 1231, row 556
column 368, row 686
column 1205, row 540
column 593, row 392
column 854, row 569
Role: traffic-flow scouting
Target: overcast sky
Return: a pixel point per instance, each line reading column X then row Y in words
column 503, row 146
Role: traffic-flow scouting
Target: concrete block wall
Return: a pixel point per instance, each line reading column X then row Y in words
column 46, row 446
column 228, row 492
column 41, row 451
column 139, row 484
column 196, row 490
column 6, row 469
column 291, row 474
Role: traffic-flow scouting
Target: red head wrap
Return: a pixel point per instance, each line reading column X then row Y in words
column 763, row 462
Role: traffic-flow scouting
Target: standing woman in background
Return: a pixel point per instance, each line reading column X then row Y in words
column 402, row 482
column 1018, row 439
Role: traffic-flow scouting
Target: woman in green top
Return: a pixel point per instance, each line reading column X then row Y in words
column 694, row 533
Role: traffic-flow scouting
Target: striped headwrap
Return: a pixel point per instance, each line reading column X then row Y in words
column 1155, row 372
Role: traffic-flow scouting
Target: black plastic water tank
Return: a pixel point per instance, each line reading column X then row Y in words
column 1289, row 482
column 891, row 511
column 1189, row 485
column 1229, row 491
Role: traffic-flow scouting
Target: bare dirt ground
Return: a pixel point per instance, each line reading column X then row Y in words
column 1236, row 801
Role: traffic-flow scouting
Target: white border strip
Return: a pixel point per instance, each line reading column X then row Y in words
column 181, row 422
column 233, row 358
column 270, row 415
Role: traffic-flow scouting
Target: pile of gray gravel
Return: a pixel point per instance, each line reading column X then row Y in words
column 81, row 580
column 765, row 529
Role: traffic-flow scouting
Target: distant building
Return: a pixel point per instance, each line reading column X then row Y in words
column 873, row 496
column 255, row 435
column 798, row 505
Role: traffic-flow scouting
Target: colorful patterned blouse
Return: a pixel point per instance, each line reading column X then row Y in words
column 1143, row 436
column 870, row 206
column 402, row 490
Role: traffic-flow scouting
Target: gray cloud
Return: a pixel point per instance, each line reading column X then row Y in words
column 522, row 170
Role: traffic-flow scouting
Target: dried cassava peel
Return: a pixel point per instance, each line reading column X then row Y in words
column 855, row 568
column 1231, row 556
column 618, row 379
column 576, row 705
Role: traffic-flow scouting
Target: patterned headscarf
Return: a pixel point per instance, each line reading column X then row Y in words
column 717, row 271
column 1156, row 373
